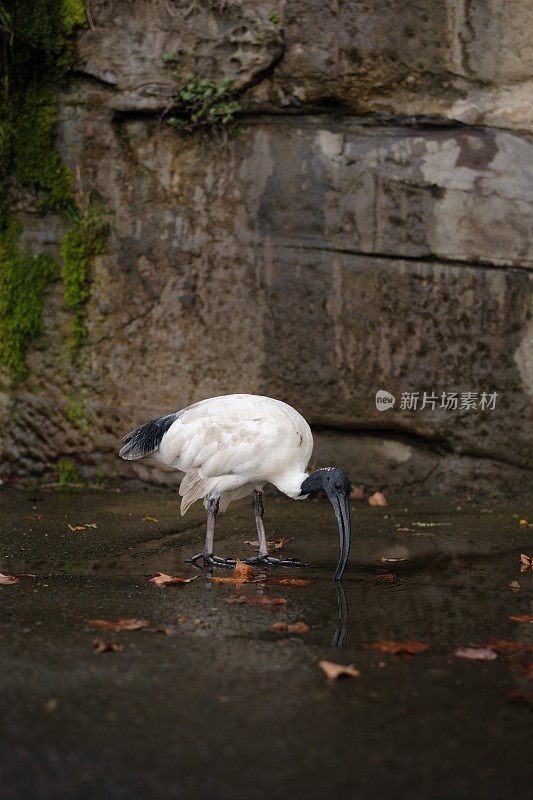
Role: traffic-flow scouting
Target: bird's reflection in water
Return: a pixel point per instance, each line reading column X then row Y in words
column 341, row 632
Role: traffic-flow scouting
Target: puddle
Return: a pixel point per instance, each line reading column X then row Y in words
column 228, row 680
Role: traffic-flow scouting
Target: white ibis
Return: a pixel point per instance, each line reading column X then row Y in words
column 229, row 447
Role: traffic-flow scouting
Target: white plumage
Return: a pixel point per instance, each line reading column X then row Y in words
column 230, row 446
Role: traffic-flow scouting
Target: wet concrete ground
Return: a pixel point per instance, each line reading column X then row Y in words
column 227, row 708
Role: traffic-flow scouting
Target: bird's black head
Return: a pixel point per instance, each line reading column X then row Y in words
column 336, row 484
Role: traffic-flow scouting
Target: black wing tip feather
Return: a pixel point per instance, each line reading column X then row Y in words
column 145, row 440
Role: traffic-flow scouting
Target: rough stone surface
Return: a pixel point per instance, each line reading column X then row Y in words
column 358, row 237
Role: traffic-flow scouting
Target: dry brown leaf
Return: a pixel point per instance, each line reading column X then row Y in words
column 406, row 530
column 287, row 581
column 397, row 647
column 476, row 653
column 526, row 562
column 275, row 545
column 34, row 516
column 377, row 499
column 101, row 646
column 8, row 579
column 256, row 600
column 526, row 697
column 278, row 544
column 334, row 671
column 243, row 573
column 357, row 493
column 290, row 627
column 523, row 618
column 392, row 559
column 501, row 646
column 120, row 624
column 160, row 579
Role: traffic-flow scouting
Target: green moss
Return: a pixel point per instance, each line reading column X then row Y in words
column 75, row 413
column 24, row 281
column 35, row 161
column 67, row 471
column 38, row 49
column 87, row 239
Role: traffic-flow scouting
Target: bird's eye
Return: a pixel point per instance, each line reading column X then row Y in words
column 337, row 486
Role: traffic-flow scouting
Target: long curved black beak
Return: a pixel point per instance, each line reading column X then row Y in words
column 341, row 507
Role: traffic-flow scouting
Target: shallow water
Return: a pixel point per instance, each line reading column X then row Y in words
column 229, row 708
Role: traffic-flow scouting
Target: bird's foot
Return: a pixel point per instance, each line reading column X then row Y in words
column 212, row 560
column 272, row 561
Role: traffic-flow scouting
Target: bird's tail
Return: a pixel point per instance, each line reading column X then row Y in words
column 145, row 440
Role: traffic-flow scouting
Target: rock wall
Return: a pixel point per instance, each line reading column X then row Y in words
column 371, row 230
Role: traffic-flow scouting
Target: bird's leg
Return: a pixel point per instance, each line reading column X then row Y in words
column 207, row 552
column 263, row 557
column 258, row 509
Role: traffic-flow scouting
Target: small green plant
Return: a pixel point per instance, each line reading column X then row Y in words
column 67, row 471
column 204, row 104
column 273, row 17
column 170, row 58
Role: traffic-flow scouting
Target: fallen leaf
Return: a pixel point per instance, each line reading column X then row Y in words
column 275, row 545
column 526, row 562
column 256, row 600
column 90, row 525
column 396, row 648
column 476, row 653
column 34, row 516
column 377, row 499
column 523, row 618
column 515, row 586
column 160, row 579
column 406, row 530
column 523, row 522
column 119, row 624
column 101, row 646
column 150, row 519
column 334, row 671
column 501, row 646
column 278, row 544
column 290, row 627
column 526, row 697
column 76, row 527
column 243, row 573
column 431, row 524
column 8, row 579
column 357, row 493
column 393, row 559
column 287, row 581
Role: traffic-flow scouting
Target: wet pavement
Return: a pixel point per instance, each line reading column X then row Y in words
column 228, row 708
